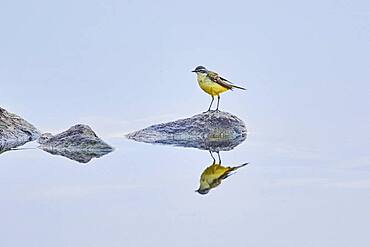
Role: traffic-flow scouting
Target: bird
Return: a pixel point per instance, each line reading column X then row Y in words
column 213, row 175
column 213, row 84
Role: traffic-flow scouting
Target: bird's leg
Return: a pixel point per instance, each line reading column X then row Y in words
column 219, row 158
column 214, row 160
column 211, row 103
column 218, row 101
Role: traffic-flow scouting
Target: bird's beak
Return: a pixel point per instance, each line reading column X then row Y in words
column 193, row 71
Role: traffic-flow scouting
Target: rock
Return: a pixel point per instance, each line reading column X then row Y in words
column 15, row 131
column 213, row 130
column 79, row 143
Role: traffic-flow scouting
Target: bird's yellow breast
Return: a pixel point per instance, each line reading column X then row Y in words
column 210, row 87
column 214, row 171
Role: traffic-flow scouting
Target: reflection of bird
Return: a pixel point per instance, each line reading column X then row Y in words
column 214, row 174
column 213, row 84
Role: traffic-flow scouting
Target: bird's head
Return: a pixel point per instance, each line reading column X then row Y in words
column 203, row 191
column 200, row 70
column 204, row 187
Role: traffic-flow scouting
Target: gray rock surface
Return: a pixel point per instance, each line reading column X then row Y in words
column 79, row 143
column 15, row 131
column 213, row 130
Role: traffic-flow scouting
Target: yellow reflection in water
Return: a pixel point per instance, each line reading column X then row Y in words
column 213, row 175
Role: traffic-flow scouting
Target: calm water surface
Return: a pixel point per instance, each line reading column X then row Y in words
column 144, row 195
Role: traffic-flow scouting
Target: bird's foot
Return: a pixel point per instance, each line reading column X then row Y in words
column 210, row 111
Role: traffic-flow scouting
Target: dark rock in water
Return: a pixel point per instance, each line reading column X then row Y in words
column 15, row 131
column 79, row 143
column 213, row 130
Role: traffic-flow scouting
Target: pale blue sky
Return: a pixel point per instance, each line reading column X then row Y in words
column 305, row 64
column 122, row 65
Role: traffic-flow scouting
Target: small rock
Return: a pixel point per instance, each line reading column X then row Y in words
column 15, row 131
column 79, row 143
column 44, row 138
column 213, row 130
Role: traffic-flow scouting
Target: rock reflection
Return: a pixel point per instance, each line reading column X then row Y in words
column 213, row 175
column 81, row 156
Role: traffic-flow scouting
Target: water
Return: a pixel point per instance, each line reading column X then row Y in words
column 144, row 195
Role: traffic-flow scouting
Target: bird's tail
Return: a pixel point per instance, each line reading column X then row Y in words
column 242, row 88
column 240, row 166
column 231, row 169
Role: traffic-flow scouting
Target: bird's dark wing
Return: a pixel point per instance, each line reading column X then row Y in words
column 232, row 84
column 219, row 80
column 226, row 80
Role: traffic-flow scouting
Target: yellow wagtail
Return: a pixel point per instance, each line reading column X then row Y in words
column 213, row 175
column 213, row 84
